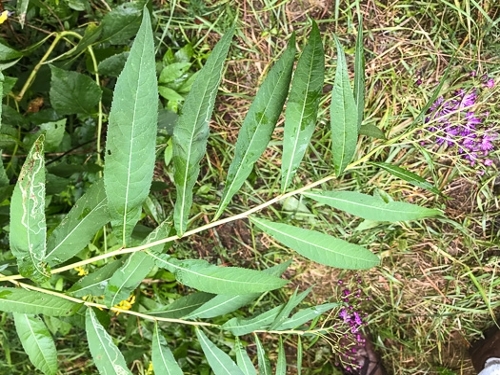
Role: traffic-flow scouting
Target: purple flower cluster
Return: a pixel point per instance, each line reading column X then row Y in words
column 352, row 322
column 457, row 124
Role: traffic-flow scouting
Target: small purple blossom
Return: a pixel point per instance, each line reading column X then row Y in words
column 490, row 83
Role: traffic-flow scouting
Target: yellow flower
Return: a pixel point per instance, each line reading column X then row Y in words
column 81, row 271
column 150, row 370
column 126, row 304
column 4, row 15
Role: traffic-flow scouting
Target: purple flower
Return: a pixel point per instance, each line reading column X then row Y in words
column 490, row 83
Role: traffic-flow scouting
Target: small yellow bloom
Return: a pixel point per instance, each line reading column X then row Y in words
column 150, row 370
column 4, row 15
column 126, row 304
column 81, row 271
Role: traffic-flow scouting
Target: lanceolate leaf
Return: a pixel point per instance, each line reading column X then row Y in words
column 94, row 284
column 183, row 306
column 408, row 176
column 203, row 276
column 219, row 361
column 302, row 106
column 305, row 315
column 37, row 342
column 290, row 305
column 264, row 364
column 243, row 360
column 191, row 131
column 27, row 216
column 88, row 215
column 136, row 268
column 240, row 327
column 223, row 304
column 31, row 302
column 343, row 115
column 371, row 208
column 281, row 363
column 319, row 247
column 163, row 359
column 371, row 131
column 131, row 137
column 107, row 358
column 259, row 124
column 359, row 73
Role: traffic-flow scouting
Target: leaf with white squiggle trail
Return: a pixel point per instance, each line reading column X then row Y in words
column 28, row 229
column 107, row 357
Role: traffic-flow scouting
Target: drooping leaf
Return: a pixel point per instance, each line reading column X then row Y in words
column 290, row 305
column 8, row 53
column 359, row 73
column 24, row 301
column 191, row 131
column 205, row 277
column 131, row 137
column 219, row 362
column 371, row 131
column 302, row 106
column 259, row 124
column 183, row 306
column 107, row 357
column 88, row 215
column 263, row 360
column 135, row 269
column 343, row 115
column 243, row 360
column 223, row 304
column 94, row 284
column 28, row 229
column 163, row 359
column 319, row 247
column 407, row 176
column 370, row 207
column 73, row 92
column 241, row 326
column 281, row 362
column 305, row 315
column 37, row 342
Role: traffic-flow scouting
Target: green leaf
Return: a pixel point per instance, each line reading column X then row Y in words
column 302, row 106
column 290, row 305
column 2, row 93
column 222, row 304
column 163, row 360
column 73, row 93
column 264, row 364
column 54, row 133
column 240, row 326
column 95, row 283
column 407, row 176
column 7, row 53
column 343, row 115
column 359, row 73
column 113, row 65
column 203, row 276
column 281, row 362
column 107, row 357
column 122, row 23
column 259, row 124
column 173, row 71
column 31, row 302
column 371, row 208
column 135, row 269
column 319, row 247
column 192, row 130
column 37, row 342
column 305, row 315
column 131, row 137
column 183, row 306
column 371, row 131
column 28, row 229
column 21, row 10
column 219, row 361
column 88, row 215
column 243, row 360
column 299, row 355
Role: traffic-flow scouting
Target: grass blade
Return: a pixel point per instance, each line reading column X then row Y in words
column 359, row 73
column 258, row 125
column 319, row 247
column 37, row 342
column 163, row 359
column 302, row 106
column 31, row 302
column 88, row 215
column 107, row 358
column 343, row 115
column 191, row 131
column 243, row 360
column 203, row 276
column 264, row 364
column 28, row 229
column 371, row 208
column 219, row 361
column 131, row 137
